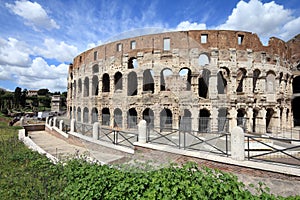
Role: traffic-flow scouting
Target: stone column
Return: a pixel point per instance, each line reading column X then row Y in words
column 237, row 144
column 214, row 120
column 47, row 120
column 72, row 126
column 232, row 118
column 139, row 85
column 96, row 130
column 54, row 121
column 156, row 83
column 142, row 130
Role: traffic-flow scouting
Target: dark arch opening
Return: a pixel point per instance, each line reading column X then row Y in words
column 241, row 75
column 256, row 74
column 86, row 87
column 95, row 85
column 132, row 118
column 186, row 74
column 222, row 120
column 85, row 115
column 105, row 83
column 118, row 81
column 269, row 115
column 203, row 84
column 117, row 118
column 105, row 117
column 132, row 84
column 204, row 121
column 79, row 114
column 241, row 120
column 165, row 79
column 94, row 115
column 296, row 110
column 95, row 69
column 148, row 116
column 185, row 122
column 254, row 122
column 166, row 119
column 148, row 81
column 132, row 63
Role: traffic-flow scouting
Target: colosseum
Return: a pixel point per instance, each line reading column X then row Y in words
column 202, row 80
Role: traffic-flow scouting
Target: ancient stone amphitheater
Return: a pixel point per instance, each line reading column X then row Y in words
column 204, row 80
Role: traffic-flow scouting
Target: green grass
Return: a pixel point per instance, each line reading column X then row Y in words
column 25, row 174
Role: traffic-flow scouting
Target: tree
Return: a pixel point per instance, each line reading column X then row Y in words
column 23, row 98
column 17, row 97
column 43, row 92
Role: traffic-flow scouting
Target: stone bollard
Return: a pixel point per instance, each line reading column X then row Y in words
column 54, row 121
column 22, row 121
column 61, row 124
column 142, row 130
column 96, row 130
column 72, row 124
column 237, row 143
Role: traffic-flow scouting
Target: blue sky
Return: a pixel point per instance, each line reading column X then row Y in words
column 38, row 39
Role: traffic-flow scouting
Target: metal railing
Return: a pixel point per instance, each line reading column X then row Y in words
column 118, row 137
column 84, row 129
column 270, row 149
column 217, row 143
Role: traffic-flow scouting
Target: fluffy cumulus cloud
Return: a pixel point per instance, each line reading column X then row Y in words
column 41, row 75
column 14, row 52
column 60, row 51
column 186, row 25
column 265, row 19
column 33, row 13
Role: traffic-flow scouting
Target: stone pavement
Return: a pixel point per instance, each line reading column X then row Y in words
column 60, row 147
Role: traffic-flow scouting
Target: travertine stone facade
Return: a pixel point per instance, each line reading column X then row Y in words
column 201, row 80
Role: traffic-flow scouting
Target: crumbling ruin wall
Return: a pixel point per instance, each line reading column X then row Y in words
column 204, row 80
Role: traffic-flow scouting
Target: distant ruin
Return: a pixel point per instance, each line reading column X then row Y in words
column 203, row 80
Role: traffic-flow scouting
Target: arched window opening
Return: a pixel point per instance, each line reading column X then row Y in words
column 241, row 119
column 79, row 114
column 241, row 75
column 118, row 118
column 94, row 115
column 222, row 83
column 296, row 85
column 132, row 63
column 95, row 86
column 222, row 120
column 204, row 121
column 280, row 77
column 105, row 83
column 86, row 87
column 296, row 110
column 254, row 123
column 70, row 112
column 186, row 76
column 73, row 113
column 95, row 69
column 132, row 118
column 270, row 83
column 203, row 60
column 148, row 80
column 185, row 122
column 166, row 119
column 166, row 80
column 118, row 81
column 85, row 115
column 79, row 86
column 203, row 83
column 256, row 74
column 105, row 117
column 132, row 84
column 269, row 120
column 74, row 89
column 148, row 116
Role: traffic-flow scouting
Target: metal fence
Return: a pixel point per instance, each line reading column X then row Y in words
column 217, row 143
column 84, row 129
column 270, row 149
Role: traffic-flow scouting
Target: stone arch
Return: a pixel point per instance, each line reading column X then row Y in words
column 132, row 118
column 203, row 59
column 148, row 116
column 74, row 88
column 166, row 119
column 255, row 119
column 270, row 82
column 223, row 120
column 118, row 120
column 118, row 81
column 74, row 113
column 79, row 86
column 148, row 80
column 94, row 115
column 221, row 80
column 165, row 79
column 132, row 84
column 105, row 117
column 186, row 74
column 204, row 121
column 79, row 114
column 95, row 84
column 105, row 83
column 95, row 69
column 256, row 74
column 185, row 122
column 241, row 117
column 132, row 63
column 85, row 115
column 240, row 77
column 203, row 83
column 86, row 87
column 296, row 101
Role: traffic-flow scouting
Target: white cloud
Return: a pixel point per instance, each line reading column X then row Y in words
column 14, row 52
column 33, row 13
column 41, row 75
column 186, row 25
column 60, row 51
column 265, row 19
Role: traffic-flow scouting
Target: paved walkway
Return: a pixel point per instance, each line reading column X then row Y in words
column 61, row 148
